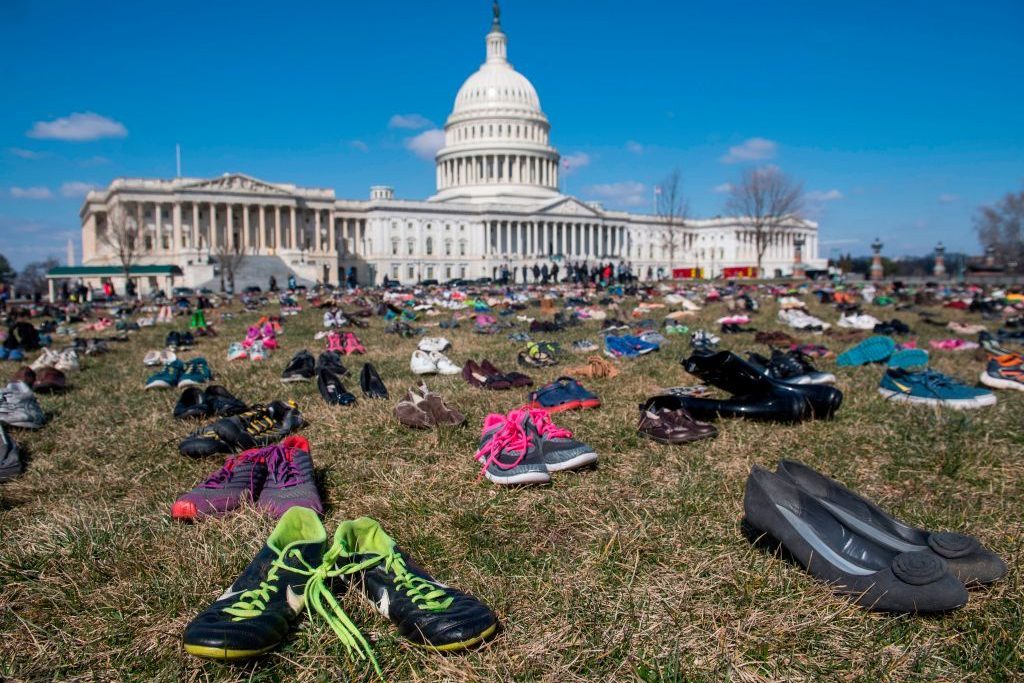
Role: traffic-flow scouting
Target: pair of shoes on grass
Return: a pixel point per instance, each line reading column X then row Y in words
column 299, row 570
column 850, row 543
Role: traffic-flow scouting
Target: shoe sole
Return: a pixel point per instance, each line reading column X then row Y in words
column 189, row 383
column 955, row 404
column 158, row 385
column 571, row 405
column 908, row 358
column 461, row 645
column 292, row 380
column 872, row 350
column 581, row 460
column 678, row 442
column 517, row 479
column 225, row 654
column 997, row 383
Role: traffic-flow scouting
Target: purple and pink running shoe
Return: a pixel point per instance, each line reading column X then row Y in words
column 290, row 481
column 238, row 481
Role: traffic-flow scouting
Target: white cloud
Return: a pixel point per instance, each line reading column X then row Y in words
column 824, row 196
column 26, row 153
column 752, row 149
column 409, row 121
column 78, row 127
column 574, row 162
column 426, row 144
column 723, row 188
column 76, row 188
column 38, row 192
column 359, row 145
column 634, row 147
column 93, row 161
column 947, row 198
column 628, row 193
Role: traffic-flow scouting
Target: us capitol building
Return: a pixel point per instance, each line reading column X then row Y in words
column 497, row 205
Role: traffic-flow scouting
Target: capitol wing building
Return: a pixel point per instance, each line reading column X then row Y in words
column 497, row 207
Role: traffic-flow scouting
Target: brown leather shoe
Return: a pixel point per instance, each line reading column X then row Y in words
column 411, row 411
column 440, row 412
column 49, row 380
column 663, row 419
column 26, row 375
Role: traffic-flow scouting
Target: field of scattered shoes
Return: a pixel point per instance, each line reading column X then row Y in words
column 635, row 568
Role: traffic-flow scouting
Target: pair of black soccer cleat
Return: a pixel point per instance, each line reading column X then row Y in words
column 850, row 543
column 256, row 427
column 294, row 572
column 755, row 394
column 214, row 401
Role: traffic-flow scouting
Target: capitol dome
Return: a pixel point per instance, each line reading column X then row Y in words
column 497, row 145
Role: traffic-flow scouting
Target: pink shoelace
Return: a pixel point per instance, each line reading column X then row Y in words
column 281, row 466
column 510, row 438
column 218, row 479
column 545, row 427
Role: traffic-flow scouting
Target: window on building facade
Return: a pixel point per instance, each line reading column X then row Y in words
column 447, row 272
column 411, row 272
column 430, row 246
column 394, row 226
column 394, row 272
column 430, row 272
column 462, row 271
column 410, row 247
column 462, row 247
column 394, row 247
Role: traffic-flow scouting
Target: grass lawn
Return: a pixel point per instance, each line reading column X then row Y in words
column 634, row 571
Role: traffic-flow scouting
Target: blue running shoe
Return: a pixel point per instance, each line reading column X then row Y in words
column 641, row 346
column 871, row 350
column 619, row 347
column 16, row 354
column 929, row 387
column 908, row 358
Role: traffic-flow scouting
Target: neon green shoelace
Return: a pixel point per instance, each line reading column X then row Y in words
column 424, row 595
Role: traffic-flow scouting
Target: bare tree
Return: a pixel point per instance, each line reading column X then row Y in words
column 32, row 278
column 122, row 236
column 766, row 200
column 230, row 260
column 1002, row 227
column 672, row 208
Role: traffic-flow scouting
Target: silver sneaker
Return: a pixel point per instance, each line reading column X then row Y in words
column 19, row 407
column 10, row 457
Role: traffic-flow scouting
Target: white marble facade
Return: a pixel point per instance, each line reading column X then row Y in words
column 497, row 205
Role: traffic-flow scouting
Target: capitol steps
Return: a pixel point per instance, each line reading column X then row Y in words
column 256, row 271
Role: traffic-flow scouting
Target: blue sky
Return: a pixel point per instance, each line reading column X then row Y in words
column 900, row 117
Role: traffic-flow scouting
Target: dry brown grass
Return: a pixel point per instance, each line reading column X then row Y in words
column 635, row 571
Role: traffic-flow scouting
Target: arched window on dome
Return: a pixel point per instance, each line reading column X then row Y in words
column 430, row 246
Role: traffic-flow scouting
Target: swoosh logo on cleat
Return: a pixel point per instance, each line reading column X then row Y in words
column 229, row 594
column 295, row 600
column 384, row 606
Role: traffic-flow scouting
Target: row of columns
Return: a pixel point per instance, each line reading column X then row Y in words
column 539, row 239
column 781, row 245
column 298, row 228
column 516, row 169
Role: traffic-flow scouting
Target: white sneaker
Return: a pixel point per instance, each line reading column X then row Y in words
column 152, row 358
column 237, row 352
column 48, row 359
column 422, row 364
column 68, row 361
column 329, row 319
column 429, row 344
column 444, row 364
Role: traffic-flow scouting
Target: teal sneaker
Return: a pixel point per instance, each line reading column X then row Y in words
column 908, row 358
column 196, row 372
column 168, row 377
column 929, row 387
column 871, row 350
